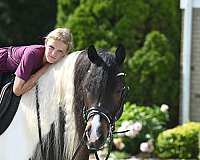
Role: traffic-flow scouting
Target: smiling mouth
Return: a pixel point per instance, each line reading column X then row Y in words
column 52, row 57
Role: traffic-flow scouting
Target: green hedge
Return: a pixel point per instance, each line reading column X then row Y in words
column 179, row 142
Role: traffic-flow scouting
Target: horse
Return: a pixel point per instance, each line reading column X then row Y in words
column 80, row 97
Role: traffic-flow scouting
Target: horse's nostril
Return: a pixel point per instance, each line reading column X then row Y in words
column 102, row 138
column 92, row 146
column 87, row 133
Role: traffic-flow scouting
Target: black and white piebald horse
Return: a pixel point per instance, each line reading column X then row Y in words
column 79, row 98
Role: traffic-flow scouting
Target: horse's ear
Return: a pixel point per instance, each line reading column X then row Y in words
column 120, row 54
column 93, row 56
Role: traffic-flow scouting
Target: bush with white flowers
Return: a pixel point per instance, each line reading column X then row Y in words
column 132, row 128
column 143, row 123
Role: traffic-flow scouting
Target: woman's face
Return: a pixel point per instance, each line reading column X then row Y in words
column 54, row 50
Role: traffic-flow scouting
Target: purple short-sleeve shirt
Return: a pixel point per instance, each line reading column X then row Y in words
column 23, row 60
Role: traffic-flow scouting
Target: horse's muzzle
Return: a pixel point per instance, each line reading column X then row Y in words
column 95, row 144
column 96, row 134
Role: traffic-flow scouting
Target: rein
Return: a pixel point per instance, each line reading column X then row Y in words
column 39, row 122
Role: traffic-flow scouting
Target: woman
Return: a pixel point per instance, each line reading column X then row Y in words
column 29, row 63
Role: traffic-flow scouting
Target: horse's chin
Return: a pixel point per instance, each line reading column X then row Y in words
column 95, row 146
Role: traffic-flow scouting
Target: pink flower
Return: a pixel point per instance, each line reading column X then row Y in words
column 125, row 124
column 131, row 133
column 147, row 147
column 134, row 128
column 137, row 126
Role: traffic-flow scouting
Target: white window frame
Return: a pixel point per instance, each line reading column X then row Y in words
column 195, row 4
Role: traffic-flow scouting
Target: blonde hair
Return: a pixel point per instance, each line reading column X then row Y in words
column 61, row 34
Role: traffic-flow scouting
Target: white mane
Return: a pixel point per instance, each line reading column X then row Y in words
column 56, row 88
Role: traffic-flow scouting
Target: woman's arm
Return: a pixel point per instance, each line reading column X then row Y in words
column 20, row 86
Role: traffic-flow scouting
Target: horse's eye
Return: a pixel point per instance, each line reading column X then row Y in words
column 119, row 91
column 117, row 95
column 89, row 95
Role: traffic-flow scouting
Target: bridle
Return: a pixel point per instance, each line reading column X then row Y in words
column 103, row 113
column 87, row 114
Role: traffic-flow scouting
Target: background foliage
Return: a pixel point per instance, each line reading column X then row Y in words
column 107, row 23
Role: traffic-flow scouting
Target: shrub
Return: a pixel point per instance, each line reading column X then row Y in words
column 153, row 121
column 149, row 71
column 179, row 142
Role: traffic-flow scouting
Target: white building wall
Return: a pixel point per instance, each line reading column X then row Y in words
column 195, row 67
column 194, row 89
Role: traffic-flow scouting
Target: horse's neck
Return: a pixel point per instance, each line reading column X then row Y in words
column 56, row 89
column 62, row 95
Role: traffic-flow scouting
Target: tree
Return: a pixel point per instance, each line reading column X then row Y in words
column 108, row 23
column 26, row 22
column 151, row 74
